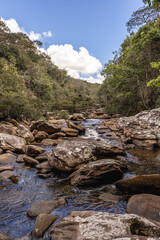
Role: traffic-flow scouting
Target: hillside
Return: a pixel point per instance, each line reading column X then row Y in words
column 31, row 85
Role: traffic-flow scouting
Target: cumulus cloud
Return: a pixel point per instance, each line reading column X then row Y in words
column 34, row 36
column 78, row 64
column 47, row 34
column 13, row 25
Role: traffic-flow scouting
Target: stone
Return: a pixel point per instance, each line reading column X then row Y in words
column 104, row 171
column 43, row 222
column 140, row 184
column 90, row 225
column 5, row 168
column 34, row 151
column 44, row 167
column 78, row 127
column 42, row 157
column 50, row 142
column 30, row 161
column 48, row 127
column 5, row 175
column 4, row 237
column 143, row 128
column 57, row 135
column 20, row 158
column 70, row 132
column 108, row 197
column 7, row 158
column 69, row 155
column 1, row 151
column 7, row 128
column 42, row 207
column 23, row 132
column 77, row 117
column 145, row 205
column 13, row 143
column 41, row 135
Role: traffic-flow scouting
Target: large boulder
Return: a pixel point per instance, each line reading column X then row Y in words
column 13, row 143
column 69, row 155
column 23, row 132
column 85, row 225
column 140, row 184
column 7, row 128
column 104, row 171
column 145, row 205
column 143, row 128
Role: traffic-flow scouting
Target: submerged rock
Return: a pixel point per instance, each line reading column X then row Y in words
column 145, row 205
column 140, row 184
column 86, row 225
column 68, row 155
column 108, row 197
column 104, row 171
column 13, row 143
column 43, row 222
column 44, row 207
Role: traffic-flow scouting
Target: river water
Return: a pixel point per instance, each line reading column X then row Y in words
column 15, row 199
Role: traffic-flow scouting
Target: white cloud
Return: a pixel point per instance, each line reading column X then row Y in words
column 13, row 25
column 34, row 36
column 76, row 63
column 47, row 34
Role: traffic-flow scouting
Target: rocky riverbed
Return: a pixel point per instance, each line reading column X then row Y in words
column 80, row 179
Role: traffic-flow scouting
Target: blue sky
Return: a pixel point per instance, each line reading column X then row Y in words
column 96, row 25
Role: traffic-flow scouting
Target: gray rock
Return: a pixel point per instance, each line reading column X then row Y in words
column 104, row 171
column 140, row 184
column 90, row 225
column 13, row 143
column 108, row 197
column 145, row 205
column 68, row 155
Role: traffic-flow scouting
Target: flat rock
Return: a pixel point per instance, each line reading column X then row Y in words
column 48, row 127
column 145, row 205
column 77, row 117
column 5, row 168
column 104, row 171
column 5, row 175
column 70, row 132
column 41, row 135
column 50, row 142
column 43, row 222
column 13, row 143
column 90, row 225
column 34, row 151
column 57, row 135
column 30, row 161
column 68, row 155
column 43, row 207
column 140, row 184
column 44, row 167
column 42, row 157
column 7, row 158
column 108, row 197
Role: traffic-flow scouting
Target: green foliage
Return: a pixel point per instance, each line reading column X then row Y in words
column 155, row 82
column 152, row 2
column 31, row 85
column 125, row 88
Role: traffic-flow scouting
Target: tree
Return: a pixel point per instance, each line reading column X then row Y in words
column 154, row 3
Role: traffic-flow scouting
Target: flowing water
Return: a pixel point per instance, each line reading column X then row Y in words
column 15, row 199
